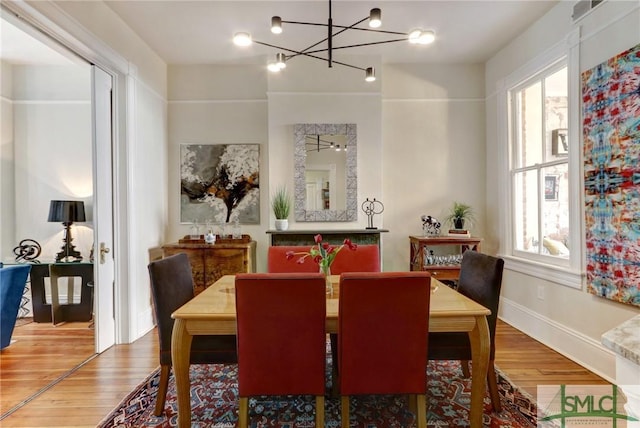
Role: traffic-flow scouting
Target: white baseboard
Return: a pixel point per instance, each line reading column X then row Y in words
column 574, row 345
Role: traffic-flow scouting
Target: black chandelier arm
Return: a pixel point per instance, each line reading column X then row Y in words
column 357, row 45
column 323, row 40
column 346, row 27
column 309, row 55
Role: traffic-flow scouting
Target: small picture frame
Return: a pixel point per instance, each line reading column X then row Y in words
column 559, row 142
column 550, row 187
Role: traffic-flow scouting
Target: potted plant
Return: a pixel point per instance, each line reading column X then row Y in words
column 281, row 205
column 459, row 214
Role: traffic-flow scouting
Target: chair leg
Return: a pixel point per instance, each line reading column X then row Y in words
column 162, row 389
column 320, row 411
column 345, row 411
column 335, row 372
column 413, row 403
column 493, row 387
column 421, row 415
column 243, row 412
column 465, row 368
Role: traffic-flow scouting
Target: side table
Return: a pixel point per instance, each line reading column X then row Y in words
column 54, row 311
column 420, row 247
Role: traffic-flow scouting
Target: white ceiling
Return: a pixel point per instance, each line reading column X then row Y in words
column 200, row 32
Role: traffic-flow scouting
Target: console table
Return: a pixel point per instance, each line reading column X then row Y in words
column 210, row 262
column 334, row 237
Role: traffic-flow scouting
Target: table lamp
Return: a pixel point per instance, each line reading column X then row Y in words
column 66, row 212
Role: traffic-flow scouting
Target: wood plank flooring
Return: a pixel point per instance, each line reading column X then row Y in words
column 42, row 353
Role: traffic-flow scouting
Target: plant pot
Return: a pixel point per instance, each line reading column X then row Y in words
column 458, row 223
column 282, row 224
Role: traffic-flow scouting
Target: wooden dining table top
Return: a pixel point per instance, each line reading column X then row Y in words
column 218, row 303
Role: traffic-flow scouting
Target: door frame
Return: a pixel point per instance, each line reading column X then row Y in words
column 63, row 29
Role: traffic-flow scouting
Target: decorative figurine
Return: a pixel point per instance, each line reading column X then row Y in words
column 27, row 250
column 370, row 208
column 430, row 225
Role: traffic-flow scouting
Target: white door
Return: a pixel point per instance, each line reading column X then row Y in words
column 103, row 209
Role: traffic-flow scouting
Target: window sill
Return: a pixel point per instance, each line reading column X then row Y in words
column 558, row 274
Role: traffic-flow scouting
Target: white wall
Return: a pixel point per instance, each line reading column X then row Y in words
column 52, row 146
column 7, row 180
column 413, row 123
column 569, row 320
column 433, row 136
column 211, row 104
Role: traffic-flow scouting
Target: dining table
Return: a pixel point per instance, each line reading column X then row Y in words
column 213, row 312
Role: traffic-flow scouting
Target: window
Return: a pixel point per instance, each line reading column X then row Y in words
column 539, row 167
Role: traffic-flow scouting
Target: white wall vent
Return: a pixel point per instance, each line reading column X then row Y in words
column 582, row 7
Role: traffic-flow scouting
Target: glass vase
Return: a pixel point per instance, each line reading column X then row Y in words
column 326, row 271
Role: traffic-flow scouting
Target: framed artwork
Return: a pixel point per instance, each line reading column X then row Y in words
column 550, row 187
column 611, row 134
column 559, row 142
column 220, row 183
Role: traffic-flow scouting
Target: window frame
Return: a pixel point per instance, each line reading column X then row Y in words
column 569, row 271
column 538, row 167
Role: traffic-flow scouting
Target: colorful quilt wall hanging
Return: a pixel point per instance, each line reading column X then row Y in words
column 611, row 133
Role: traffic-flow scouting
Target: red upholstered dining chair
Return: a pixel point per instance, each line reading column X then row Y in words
column 172, row 287
column 379, row 312
column 365, row 259
column 281, row 337
column 480, row 280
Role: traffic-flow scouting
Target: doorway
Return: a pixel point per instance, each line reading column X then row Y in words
column 56, row 139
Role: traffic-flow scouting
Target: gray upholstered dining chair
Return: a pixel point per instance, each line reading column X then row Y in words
column 480, row 280
column 172, row 287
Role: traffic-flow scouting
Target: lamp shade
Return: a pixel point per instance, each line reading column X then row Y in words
column 66, row 211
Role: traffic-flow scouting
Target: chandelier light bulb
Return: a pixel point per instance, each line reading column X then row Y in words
column 280, row 60
column 427, row 37
column 276, row 25
column 273, row 67
column 337, row 147
column 370, row 74
column 242, row 39
column 414, row 36
column 375, row 18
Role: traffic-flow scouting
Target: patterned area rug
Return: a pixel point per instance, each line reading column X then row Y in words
column 214, row 404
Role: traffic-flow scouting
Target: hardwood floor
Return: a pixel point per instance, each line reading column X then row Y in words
column 32, row 365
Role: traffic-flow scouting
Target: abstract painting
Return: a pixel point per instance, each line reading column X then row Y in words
column 219, row 183
column 611, row 132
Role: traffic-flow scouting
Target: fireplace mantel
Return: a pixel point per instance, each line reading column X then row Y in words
column 333, row 236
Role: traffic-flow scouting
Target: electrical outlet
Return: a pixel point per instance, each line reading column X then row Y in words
column 541, row 292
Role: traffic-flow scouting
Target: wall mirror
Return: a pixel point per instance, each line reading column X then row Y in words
column 325, row 172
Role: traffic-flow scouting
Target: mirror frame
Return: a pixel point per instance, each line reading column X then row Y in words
column 300, row 131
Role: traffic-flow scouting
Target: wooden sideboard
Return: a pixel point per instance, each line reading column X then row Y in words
column 209, row 262
column 422, row 245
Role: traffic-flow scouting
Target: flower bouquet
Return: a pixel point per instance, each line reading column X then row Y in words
column 323, row 254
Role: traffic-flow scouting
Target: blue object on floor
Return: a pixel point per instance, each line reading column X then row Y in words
column 13, row 280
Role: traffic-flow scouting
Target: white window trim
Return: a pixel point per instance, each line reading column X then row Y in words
column 570, row 274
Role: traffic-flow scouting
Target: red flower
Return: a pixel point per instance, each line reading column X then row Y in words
column 322, row 253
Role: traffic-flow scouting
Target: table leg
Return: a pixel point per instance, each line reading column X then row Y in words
column 55, row 300
column 180, row 354
column 480, row 346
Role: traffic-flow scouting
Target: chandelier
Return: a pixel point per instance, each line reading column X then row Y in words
column 416, row 37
